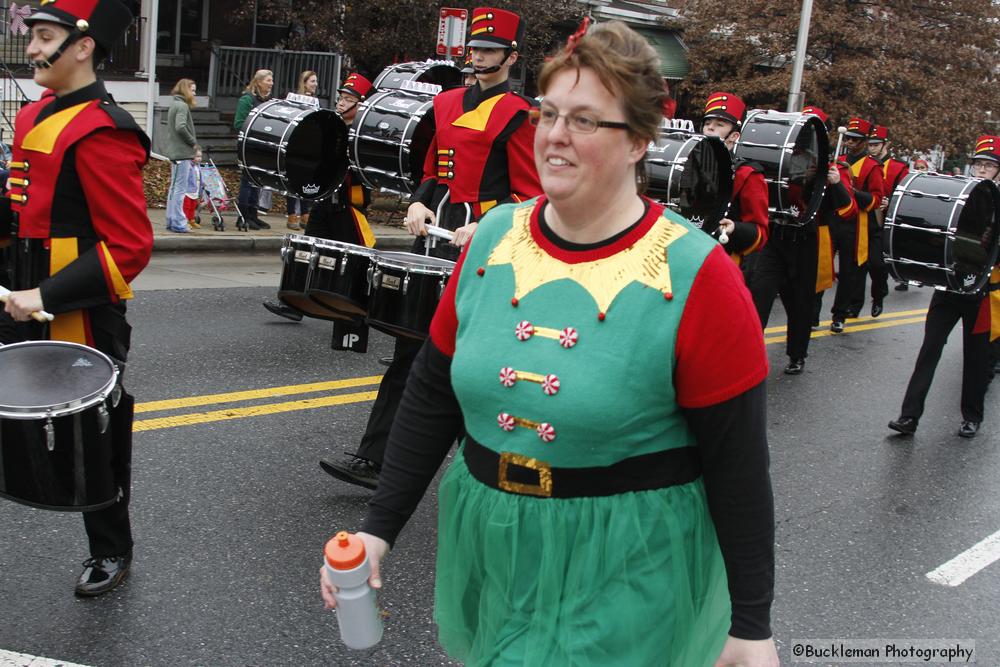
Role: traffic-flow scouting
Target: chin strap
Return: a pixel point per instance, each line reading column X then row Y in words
column 46, row 63
column 495, row 68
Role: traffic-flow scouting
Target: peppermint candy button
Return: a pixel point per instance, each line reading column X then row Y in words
column 524, row 330
column 568, row 337
column 505, row 421
column 508, row 377
column 550, row 385
column 545, row 432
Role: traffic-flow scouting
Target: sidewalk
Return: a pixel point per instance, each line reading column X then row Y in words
column 264, row 240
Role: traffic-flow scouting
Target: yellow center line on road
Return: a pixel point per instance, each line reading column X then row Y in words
column 253, row 411
column 236, row 396
column 894, row 319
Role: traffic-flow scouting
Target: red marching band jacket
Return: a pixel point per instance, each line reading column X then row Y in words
column 869, row 189
column 82, row 230
column 829, row 208
column 893, row 172
column 485, row 156
column 749, row 211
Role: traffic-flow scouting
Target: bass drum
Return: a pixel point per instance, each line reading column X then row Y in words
column 294, row 148
column 389, row 138
column 436, row 72
column 692, row 174
column 793, row 149
column 56, row 449
column 942, row 231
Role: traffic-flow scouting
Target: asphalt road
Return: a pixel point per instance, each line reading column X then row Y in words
column 230, row 508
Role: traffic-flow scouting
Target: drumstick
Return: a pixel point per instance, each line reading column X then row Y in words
column 38, row 315
column 723, row 237
column 434, row 230
column 841, row 131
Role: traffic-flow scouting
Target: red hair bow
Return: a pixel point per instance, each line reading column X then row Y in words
column 575, row 37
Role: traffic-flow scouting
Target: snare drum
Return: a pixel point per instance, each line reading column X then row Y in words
column 692, row 174
column 55, row 426
column 436, row 72
column 298, row 261
column 294, row 148
column 389, row 139
column 406, row 289
column 792, row 148
column 942, row 231
column 341, row 278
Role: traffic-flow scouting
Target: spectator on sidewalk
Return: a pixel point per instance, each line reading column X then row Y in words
column 298, row 209
column 181, row 144
column 257, row 92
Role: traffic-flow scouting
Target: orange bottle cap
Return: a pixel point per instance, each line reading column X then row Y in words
column 344, row 551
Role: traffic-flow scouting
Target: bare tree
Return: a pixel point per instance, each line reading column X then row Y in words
column 927, row 69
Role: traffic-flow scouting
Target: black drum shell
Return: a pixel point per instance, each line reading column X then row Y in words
column 406, row 314
column 340, row 278
column 792, row 149
column 389, row 139
column 298, row 258
column 440, row 73
column 691, row 173
column 294, row 149
column 927, row 231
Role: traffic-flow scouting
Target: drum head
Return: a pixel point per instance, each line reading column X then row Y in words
column 52, row 375
column 692, row 174
column 975, row 245
column 443, row 74
column 316, row 155
column 389, row 139
column 412, row 262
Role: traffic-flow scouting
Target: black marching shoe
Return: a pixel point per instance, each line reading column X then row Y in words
column 795, row 366
column 385, row 361
column 905, row 425
column 902, row 287
column 281, row 310
column 353, row 470
column 968, row 429
column 262, row 225
column 102, row 574
column 876, row 307
column 837, row 326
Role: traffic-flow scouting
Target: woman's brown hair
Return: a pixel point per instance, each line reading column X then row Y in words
column 627, row 66
column 183, row 88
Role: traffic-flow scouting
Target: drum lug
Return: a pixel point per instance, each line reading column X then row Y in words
column 116, row 395
column 343, row 264
column 50, row 434
column 103, row 419
column 376, row 279
column 371, row 272
column 406, row 283
column 441, row 286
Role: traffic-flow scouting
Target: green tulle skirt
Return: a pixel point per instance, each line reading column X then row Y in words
column 634, row 579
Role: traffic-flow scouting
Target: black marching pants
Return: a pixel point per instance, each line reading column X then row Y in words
column 945, row 311
column 844, row 234
column 787, row 268
column 876, row 269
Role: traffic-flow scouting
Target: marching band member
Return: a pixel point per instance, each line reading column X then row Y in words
column 746, row 220
column 610, row 502
column 481, row 156
column 78, row 247
column 340, row 217
column 980, row 316
column 852, row 239
column 893, row 172
column 797, row 262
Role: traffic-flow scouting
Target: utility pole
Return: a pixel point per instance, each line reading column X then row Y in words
column 795, row 101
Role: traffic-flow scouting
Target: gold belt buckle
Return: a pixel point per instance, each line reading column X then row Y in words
column 544, row 486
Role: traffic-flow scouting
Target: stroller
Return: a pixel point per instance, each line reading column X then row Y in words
column 215, row 195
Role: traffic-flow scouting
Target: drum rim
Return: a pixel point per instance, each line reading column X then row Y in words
column 69, row 407
column 386, row 259
column 333, row 243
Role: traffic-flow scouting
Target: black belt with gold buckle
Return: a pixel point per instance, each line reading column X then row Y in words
column 526, row 476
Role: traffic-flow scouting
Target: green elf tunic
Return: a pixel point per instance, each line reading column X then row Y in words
column 578, row 359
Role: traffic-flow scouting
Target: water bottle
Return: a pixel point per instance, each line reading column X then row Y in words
column 348, row 569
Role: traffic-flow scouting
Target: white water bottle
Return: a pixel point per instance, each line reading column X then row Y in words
column 348, row 569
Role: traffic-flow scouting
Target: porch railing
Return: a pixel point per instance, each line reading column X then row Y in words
column 12, row 98
column 231, row 68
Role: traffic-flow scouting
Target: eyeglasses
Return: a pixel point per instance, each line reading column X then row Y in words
column 983, row 164
column 578, row 122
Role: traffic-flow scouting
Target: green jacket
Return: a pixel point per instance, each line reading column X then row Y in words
column 246, row 102
column 181, row 139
